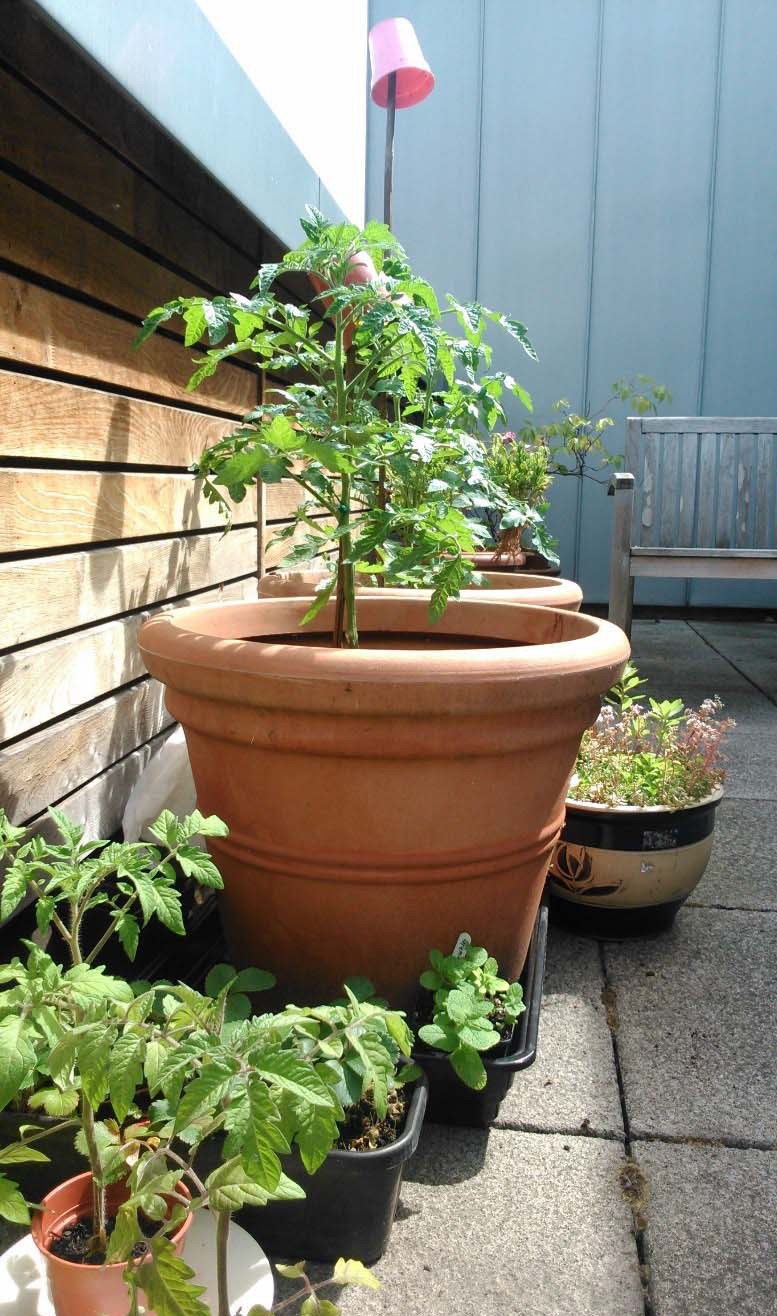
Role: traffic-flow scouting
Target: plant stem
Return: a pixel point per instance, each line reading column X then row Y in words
column 222, row 1276
column 98, row 1189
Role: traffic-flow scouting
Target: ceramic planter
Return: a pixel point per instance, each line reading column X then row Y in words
column 450, row 1100
column 502, row 587
column 626, row 871
column 350, row 1201
column 75, row 1289
column 381, row 800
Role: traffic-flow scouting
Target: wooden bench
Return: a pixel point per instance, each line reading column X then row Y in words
column 698, row 497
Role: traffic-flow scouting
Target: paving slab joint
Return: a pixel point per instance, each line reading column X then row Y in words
column 631, row 1179
column 582, row 1130
column 732, row 664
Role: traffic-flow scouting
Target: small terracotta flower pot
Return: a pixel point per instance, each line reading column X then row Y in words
column 77, row 1289
column 502, row 587
column 381, row 800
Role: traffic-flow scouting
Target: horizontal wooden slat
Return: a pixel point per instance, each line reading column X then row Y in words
column 50, row 331
column 45, row 595
column 283, row 499
column 709, row 424
column 43, row 142
column 688, row 563
column 48, row 239
column 50, row 764
column 47, row 418
column 50, row 680
column 53, row 63
column 55, row 508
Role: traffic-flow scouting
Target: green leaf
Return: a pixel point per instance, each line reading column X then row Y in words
column 200, row 867
column 168, row 909
column 354, row 1272
column 459, row 1005
column 14, row 890
column 128, row 932
column 315, row 1306
column 203, row 1093
column 17, row 1057
column 230, row 1188
column 469, row 1067
column 218, row 977
column 17, row 1152
column 317, row 1133
column 166, row 1281
column 253, row 980
column 55, row 1101
column 124, row 1237
column 295, row 1271
column 433, row 1035
column 320, row 601
column 12, row 1205
column 292, row 1075
column 94, row 1054
column 281, row 434
column 125, row 1074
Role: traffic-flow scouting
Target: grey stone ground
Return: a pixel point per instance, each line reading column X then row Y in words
column 633, row 1170
column 530, row 1219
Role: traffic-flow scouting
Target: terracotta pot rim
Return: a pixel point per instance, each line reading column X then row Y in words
column 503, row 586
column 589, row 806
column 41, row 1234
column 572, row 643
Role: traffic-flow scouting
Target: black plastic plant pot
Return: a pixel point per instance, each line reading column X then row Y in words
column 450, row 1101
column 350, row 1203
column 626, row 871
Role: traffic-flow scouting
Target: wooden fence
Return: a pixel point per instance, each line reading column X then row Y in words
column 102, row 218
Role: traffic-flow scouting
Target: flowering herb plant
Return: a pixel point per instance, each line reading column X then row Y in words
column 381, row 388
column 518, row 474
column 659, row 753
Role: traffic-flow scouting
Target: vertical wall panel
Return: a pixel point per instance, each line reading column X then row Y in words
column 683, row 115
column 437, row 146
column 650, row 255
column 536, row 199
column 740, row 368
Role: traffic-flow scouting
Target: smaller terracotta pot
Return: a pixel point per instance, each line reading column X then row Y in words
column 76, row 1289
column 502, row 587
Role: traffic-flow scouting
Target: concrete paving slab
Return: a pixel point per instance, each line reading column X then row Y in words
column 753, row 649
column 751, row 765
column 712, row 1236
column 695, row 1026
column 572, row 1084
column 517, row 1224
column 741, row 871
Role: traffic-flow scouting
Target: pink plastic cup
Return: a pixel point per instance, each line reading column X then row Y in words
column 394, row 48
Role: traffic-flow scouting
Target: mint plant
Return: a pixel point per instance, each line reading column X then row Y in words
column 518, row 474
column 381, row 389
column 474, row 1009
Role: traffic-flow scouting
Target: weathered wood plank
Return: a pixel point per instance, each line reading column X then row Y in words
column 723, row 564
column 47, row 418
column 686, row 527
column 42, row 596
column 726, row 487
column 709, row 424
column 49, row 680
column 766, row 499
column 706, row 501
column 50, row 764
column 669, row 489
column 52, row 332
column 649, row 510
column 49, row 239
column 39, row 139
column 745, row 492
column 57, row 508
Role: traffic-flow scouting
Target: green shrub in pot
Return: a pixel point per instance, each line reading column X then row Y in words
column 474, row 1009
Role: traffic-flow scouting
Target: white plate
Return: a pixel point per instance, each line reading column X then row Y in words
column 23, row 1286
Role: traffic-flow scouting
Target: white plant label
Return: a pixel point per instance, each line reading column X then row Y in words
column 463, row 943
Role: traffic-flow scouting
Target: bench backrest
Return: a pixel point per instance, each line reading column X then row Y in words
column 703, row 481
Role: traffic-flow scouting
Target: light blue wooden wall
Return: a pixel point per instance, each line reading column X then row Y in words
column 606, row 170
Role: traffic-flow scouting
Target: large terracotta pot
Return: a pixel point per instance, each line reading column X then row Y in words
column 384, row 799
column 535, row 563
column 79, row 1290
column 626, row 871
column 502, row 587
